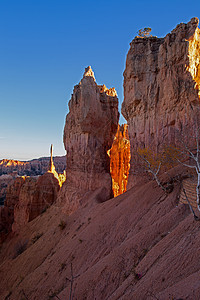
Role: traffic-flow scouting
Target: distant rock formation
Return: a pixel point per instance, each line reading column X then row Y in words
column 33, row 167
column 90, row 128
column 28, row 197
column 61, row 177
column 161, row 81
column 120, row 160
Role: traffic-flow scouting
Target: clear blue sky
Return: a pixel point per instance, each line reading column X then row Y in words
column 46, row 45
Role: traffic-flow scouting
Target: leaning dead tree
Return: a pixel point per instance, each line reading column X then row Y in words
column 151, row 164
column 189, row 148
column 71, row 280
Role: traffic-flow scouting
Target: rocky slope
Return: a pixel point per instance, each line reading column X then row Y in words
column 90, row 128
column 33, row 167
column 140, row 245
column 161, row 84
column 120, row 160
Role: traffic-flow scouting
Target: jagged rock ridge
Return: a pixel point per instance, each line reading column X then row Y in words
column 161, row 81
column 90, row 128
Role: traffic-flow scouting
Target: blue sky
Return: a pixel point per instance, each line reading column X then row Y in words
column 46, row 45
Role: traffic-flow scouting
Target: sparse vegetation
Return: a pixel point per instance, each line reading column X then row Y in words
column 36, row 237
column 62, row 267
column 79, row 226
column 144, row 32
column 62, row 225
column 71, row 280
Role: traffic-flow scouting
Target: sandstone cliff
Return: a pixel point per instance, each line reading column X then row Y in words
column 89, row 131
column 27, row 198
column 120, row 160
column 161, row 81
column 35, row 197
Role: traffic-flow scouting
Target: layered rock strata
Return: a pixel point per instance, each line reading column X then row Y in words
column 161, row 86
column 120, row 160
column 27, row 198
column 90, row 128
column 34, row 198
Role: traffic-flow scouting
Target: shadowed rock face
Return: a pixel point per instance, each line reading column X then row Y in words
column 35, row 196
column 90, row 127
column 161, row 81
column 26, row 198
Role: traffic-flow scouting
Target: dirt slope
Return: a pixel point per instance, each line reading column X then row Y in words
column 142, row 233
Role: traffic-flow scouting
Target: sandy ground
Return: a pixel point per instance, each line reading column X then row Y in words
column 140, row 245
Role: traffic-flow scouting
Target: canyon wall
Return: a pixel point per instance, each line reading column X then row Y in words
column 161, row 87
column 27, row 198
column 35, row 196
column 120, row 160
column 90, row 128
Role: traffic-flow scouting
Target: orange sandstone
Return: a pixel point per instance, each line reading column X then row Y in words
column 120, row 160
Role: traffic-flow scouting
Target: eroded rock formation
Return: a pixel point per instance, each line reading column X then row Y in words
column 33, row 167
column 120, row 160
column 27, row 198
column 161, row 81
column 35, row 196
column 7, row 211
column 90, row 128
column 61, row 177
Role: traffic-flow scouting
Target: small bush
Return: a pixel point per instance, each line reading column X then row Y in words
column 36, row 237
column 20, row 247
column 62, row 224
column 62, row 266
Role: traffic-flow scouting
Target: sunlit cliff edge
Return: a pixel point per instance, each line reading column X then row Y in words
column 161, row 82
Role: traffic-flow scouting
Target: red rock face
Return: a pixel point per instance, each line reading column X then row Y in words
column 161, row 81
column 120, row 160
column 90, row 128
column 35, row 196
column 7, row 211
column 26, row 198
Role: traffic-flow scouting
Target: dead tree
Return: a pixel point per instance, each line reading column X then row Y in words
column 152, row 164
column 71, row 280
column 189, row 149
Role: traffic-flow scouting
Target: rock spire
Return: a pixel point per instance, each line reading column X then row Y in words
column 90, row 128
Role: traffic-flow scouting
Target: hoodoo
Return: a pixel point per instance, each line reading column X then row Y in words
column 161, row 85
column 90, row 128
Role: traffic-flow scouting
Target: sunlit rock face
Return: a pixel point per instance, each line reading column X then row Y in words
column 120, row 160
column 61, row 177
column 33, row 167
column 161, row 81
column 90, row 128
